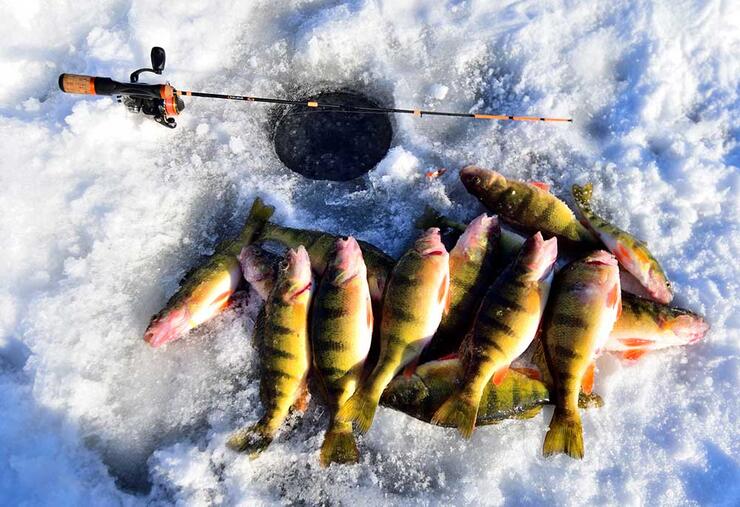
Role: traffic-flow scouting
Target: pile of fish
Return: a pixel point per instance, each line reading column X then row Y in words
column 497, row 327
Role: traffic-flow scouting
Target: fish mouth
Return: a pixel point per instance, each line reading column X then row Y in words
column 601, row 258
column 471, row 176
column 690, row 329
column 540, row 254
column 165, row 329
column 348, row 259
column 430, row 243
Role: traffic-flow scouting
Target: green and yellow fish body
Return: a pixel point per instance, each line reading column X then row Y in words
column 415, row 298
column 645, row 325
column 632, row 254
column 421, row 394
column 284, row 349
column 524, row 204
column 471, row 270
column 505, row 325
column 583, row 308
column 341, row 334
column 206, row 291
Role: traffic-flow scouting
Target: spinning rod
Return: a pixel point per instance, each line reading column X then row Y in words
column 163, row 102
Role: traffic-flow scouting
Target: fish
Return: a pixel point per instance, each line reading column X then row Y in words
column 526, row 205
column 420, row 394
column 341, row 335
column 285, row 351
column 504, row 327
column 584, row 304
column 645, row 325
column 206, row 291
column 471, row 271
column 319, row 244
column 259, row 269
column 633, row 255
column 415, row 298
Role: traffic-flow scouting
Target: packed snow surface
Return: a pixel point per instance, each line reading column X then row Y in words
column 103, row 212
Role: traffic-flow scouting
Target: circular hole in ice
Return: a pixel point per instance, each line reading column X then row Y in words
column 327, row 144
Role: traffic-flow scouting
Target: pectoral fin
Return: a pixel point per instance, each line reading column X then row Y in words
column 500, row 375
column 587, row 383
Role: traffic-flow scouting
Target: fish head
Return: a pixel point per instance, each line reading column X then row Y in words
column 602, row 274
column 294, row 277
column 202, row 300
column 430, row 244
column 167, row 326
column 473, row 243
column 347, row 262
column 538, row 256
column 256, row 264
column 406, row 394
column 659, row 286
column 478, row 180
column 689, row 328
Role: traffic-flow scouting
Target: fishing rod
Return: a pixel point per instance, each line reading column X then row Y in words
column 163, row 102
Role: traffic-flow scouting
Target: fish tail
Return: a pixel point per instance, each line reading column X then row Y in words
column 259, row 214
column 360, row 409
column 582, row 194
column 339, row 445
column 564, row 436
column 252, row 440
column 460, row 410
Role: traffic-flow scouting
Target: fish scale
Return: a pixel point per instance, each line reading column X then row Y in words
column 284, row 350
column 505, row 325
column 631, row 253
column 471, row 269
column 524, row 204
column 421, row 394
column 341, row 336
column 583, row 309
column 414, row 300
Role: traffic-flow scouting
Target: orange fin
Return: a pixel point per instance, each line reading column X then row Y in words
column 587, row 383
column 613, row 297
column 633, row 355
column 532, row 373
column 302, row 397
column 500, row 375
column 541, row 185
column 410, row 368
column 370, row 319
column 635, row 342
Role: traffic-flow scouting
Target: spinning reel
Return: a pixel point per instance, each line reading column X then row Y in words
column 161, row 102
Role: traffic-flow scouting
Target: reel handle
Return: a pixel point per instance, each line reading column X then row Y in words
column 95, row 85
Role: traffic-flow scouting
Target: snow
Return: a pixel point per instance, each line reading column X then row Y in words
column 103, row 213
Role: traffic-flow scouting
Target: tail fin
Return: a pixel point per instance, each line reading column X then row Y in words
column 564, row 436
column 259, row 214
column 339, row 445
column 459, row 411
column 252, row 440
column 582, row 195
column 360, row 409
